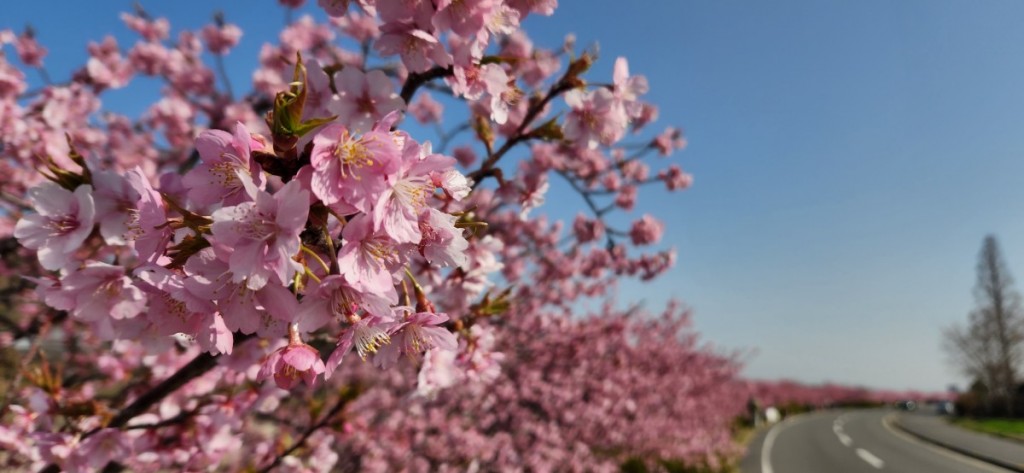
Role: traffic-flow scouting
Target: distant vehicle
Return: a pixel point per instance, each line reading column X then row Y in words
column 945, row 408
column 906, row 405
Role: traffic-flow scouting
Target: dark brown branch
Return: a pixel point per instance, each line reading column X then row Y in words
column 343, row 400
column 194, row 369
column 417, row 79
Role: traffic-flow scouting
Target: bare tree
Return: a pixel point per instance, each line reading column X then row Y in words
column 990, row 348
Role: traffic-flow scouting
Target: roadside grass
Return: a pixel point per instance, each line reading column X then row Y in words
column 1008, row 428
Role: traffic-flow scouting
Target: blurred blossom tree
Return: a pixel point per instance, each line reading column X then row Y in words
column 990, row 348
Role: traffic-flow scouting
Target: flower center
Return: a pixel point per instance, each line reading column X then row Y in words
column 365, row 104
column 353, row 155
column 63, row 225
column 343, row 303
column 413, row 192
column 380, row 251
column 369, row 339
column 227, row 172
column 258, row 226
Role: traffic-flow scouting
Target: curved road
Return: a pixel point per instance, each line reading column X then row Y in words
column 850, row 441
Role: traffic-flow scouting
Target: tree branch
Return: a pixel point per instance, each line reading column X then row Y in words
column 194, row 369
column 487, row 168
column 417, row 79
column 343, row 400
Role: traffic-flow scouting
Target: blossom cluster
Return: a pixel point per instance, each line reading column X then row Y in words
column 219, row 251
column 564, row 402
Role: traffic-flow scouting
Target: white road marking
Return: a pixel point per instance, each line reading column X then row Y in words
column 766, row 448
column 769, row 440
column 871, row 459
column 887, row 421
column 837, row 428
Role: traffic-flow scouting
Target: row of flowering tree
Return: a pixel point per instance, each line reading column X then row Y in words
column 296, row 278
column 798, row 396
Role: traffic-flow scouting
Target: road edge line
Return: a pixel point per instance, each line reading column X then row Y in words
column 773, row 431
column 766, row 448
column 954, row 448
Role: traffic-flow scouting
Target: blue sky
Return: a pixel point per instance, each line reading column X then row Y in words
column 849, row 157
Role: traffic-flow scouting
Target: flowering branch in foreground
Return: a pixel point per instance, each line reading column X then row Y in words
column 216, row 264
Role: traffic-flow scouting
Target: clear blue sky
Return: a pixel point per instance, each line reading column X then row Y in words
column 849, row 157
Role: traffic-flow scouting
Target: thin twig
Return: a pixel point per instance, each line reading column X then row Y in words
column 327, row 419
column 487, row 168
column 219, row 59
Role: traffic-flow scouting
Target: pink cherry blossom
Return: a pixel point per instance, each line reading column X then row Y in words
column 364, row 98
column 365, row 334
column 675, row 178
column 669, row 140
column 441, row 242
column 398, row 208
column 175, row 309
column 426, row 109
column 220, row 38
column 115, row 200
column 106, row 67
column 265, row 311
column 437, row 373
column 150, row 29
column 147, row 220
column 413, row 334
column 596, row 118
column 587, row 230
column 259, row 238
column 464, row 17
column 291, row 363
column 99, row 292
column 63, row 222
column 472, row 82
column 368, row 258
column 359, row 26
column 179, row 293
column 12, row 81
column 30, row 52
column 646, row 231
column 628, row 89
column 320, row 99
column 419, row 49
column 352, row 169
column 540, row 7
column 226, row 166
column 334, row 299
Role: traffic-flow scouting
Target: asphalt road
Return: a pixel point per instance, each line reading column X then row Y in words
column 855, row 441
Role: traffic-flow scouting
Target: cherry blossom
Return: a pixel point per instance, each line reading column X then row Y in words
column 292, row 363
column 225, row 167
column 259, row 238
column 64, row 221
column 352, row 170
column 364, row 98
